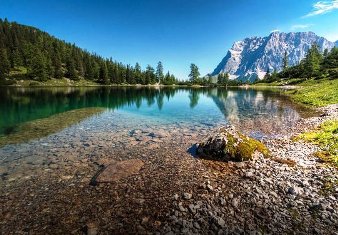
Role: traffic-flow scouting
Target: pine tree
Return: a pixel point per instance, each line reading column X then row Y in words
column 71, row 71
column 222, row 78
column 4, row 64
column 173, row 80
column 331, row 60
column 267, row 75
column 312, row 62
column 58, row 73
column 103, row 77
column 167, row 79
column 38, row 69
column 150, row 77
column 16, row 59
column 194, row 74
column 209, row 79
column 138, row 74
column 285, row 61
column 159, row 72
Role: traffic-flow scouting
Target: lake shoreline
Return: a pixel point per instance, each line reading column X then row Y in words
column 176, row 193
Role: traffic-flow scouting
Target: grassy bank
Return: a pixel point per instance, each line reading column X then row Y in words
column 316, row 92
column 64, row 82
column 326, row 137
column 311, row 92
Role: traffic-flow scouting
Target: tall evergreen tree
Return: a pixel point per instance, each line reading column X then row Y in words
column 71, row 71
column 4, row 64
column 150, row 77
column 331, row 60
column 38, row 69
column 103, row 76
column 159, row 72
column 312, row 62
column 285, row 60
column 58, row 73
column 138, row 74
column 194, row 73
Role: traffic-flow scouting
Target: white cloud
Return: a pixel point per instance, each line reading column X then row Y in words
column 323, row 7
column 274, row 31
column 300, row 26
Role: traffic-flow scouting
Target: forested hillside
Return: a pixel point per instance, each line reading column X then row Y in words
column 29, row 53
column 315, row 65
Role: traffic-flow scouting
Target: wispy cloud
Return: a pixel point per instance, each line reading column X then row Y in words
column 323, row 7
column 275, row 30
column 300, row 26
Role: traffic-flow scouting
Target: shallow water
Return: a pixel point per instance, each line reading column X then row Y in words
column 39, row 127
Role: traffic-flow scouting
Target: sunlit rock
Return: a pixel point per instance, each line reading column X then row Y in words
column 230, row 145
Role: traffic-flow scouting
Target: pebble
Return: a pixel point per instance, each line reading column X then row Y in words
column 176, row 197
column 91, row 229
column 235, row 202
column 187, row 196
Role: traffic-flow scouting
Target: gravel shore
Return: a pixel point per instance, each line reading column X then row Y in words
column 173, row 192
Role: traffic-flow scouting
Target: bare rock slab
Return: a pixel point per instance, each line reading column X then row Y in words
column 119, row 170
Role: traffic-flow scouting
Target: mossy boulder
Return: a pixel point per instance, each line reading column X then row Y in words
column 230, row 145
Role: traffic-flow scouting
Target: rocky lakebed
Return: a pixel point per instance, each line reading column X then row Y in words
column 162, row 180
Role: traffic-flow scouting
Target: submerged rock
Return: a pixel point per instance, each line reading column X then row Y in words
column 91, row 229
column 230, row 145
column 119, row 170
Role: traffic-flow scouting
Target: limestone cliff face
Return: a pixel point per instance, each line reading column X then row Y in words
column 251, row 57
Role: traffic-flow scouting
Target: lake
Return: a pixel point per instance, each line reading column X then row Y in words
column 53, row 141
column 38, row 122
column 165, row 106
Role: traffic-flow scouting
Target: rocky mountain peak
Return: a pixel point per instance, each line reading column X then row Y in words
column 252, row 57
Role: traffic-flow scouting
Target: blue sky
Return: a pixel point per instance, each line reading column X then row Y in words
column 176, row 32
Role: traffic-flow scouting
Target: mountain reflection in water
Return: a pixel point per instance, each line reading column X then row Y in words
column 249, row 109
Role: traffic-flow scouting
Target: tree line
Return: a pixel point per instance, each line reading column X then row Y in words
column 221, row 80
column 29, row 53
column 315, row 65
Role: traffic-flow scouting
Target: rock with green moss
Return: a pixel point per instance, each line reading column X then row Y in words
column 230, row 145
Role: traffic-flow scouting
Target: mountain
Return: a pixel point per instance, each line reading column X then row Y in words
column 252, row 57
column 336, row 43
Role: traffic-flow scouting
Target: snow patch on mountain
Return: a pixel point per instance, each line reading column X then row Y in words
column 252, row 57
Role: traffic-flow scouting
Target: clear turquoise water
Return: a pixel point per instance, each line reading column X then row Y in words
column 129, row 120
column 257, row 112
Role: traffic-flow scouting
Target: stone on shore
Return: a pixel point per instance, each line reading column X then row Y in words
column 119, row 170
column 230, row 145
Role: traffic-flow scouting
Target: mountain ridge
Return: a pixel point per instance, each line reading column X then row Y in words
column 251, row 57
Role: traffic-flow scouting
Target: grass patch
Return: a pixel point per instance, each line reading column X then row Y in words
column 312, row 92
column 43, row 127
column 64, row 82
column 285, row 82
column 316, row 92
column 289, row 162
column 326, row 137
column 328, row 186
